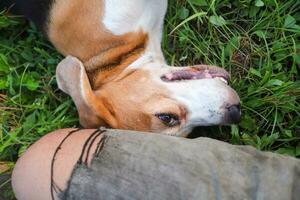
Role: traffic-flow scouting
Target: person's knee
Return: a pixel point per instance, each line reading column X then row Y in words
column 34, row 171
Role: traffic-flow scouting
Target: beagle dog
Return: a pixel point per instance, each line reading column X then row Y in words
column 116, row 73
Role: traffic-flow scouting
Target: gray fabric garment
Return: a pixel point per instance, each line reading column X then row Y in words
column 149, row 166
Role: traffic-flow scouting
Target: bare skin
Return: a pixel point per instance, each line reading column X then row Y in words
column 31, row 177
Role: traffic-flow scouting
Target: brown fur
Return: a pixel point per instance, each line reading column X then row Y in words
column 106, row 65
column 136, row 100
column 75, row 28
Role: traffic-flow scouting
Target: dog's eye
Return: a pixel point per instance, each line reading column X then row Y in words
column 170, row 120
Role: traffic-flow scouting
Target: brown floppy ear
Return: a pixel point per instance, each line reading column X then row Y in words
column 73, row 80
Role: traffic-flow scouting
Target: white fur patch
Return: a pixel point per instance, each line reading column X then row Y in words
column 204, row 99
column 122, row 17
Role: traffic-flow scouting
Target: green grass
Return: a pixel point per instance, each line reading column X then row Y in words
column 257, row 41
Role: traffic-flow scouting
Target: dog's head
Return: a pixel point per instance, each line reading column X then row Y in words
column 153, row 98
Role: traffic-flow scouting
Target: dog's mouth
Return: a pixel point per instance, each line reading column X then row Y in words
column 196, row 73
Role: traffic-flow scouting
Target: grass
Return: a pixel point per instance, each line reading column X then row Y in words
column 258, row 41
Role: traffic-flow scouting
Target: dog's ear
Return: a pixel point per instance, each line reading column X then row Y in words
column 73, row 80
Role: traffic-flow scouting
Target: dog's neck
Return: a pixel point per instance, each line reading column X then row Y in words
column 109, row 63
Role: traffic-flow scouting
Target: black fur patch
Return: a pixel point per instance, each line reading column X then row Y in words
column 35, row 10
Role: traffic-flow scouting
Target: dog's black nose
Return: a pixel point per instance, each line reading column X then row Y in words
column 234, row 113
